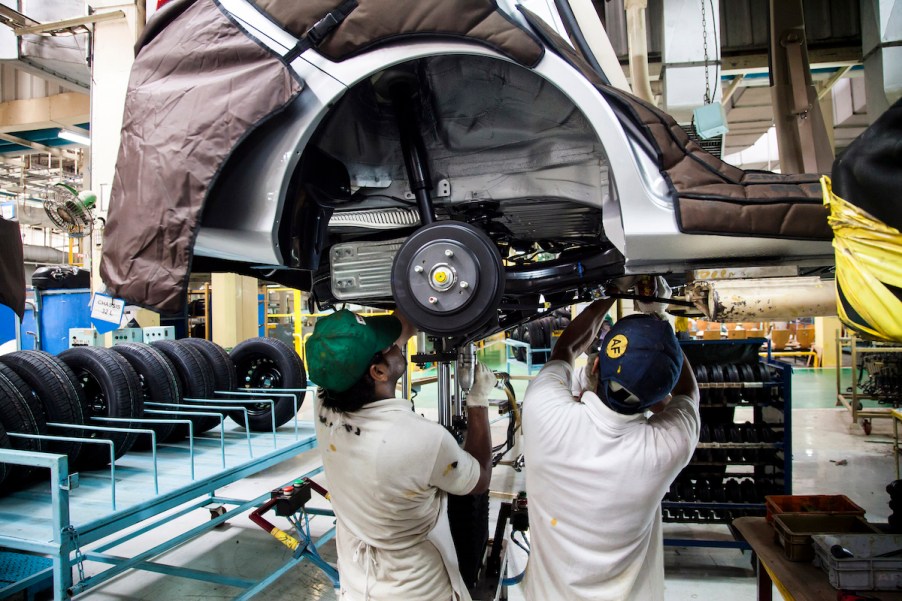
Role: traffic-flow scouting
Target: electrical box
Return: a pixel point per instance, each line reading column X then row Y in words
column 710, row 121
column 128, row 335
column 159, row 333
column 289, row 499
column 8, row 210
column 84, row 337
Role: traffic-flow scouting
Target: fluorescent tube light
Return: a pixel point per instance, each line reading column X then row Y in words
column 74, row 137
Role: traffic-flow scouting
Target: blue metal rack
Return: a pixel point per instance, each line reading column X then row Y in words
column 775, row 411
column 84, row 514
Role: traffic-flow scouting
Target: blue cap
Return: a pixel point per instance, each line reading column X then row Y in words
column 639, row 364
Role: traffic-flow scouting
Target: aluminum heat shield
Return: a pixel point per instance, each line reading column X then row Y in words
column 362, row 270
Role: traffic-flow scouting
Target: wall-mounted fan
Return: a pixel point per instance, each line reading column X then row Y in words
column 70, row 210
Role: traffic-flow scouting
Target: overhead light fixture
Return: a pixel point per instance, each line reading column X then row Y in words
column 65, row 134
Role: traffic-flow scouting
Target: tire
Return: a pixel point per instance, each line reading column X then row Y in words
column 112, row 389
column 536, row 340
column 16, row 416
column 196, row 383
column 62, row 399
column 218, row 359
column 159, row 384
column 4, row 444
column 267, row 363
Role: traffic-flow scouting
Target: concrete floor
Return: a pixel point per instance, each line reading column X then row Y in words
column 831, row 456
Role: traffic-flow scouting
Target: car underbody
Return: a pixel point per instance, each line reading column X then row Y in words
column 474, row 189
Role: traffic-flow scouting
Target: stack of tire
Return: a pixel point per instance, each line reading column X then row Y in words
column 537, row 334
column 42, row 394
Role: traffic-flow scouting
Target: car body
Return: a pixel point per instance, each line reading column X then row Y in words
column 468, row 181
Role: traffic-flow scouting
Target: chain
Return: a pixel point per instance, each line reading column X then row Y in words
column 705, row 46
column 72, row 533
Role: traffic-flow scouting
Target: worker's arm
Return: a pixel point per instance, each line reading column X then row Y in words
column 581, row 332
column 478, row 442
column 408, row 330
column 686, row 383
column 677, row 424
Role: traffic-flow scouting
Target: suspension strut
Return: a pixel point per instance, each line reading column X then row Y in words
column 414, row 150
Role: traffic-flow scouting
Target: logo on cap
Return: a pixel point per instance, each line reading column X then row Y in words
column 617, row 346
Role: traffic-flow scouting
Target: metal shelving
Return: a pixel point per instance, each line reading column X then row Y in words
column 745, row 450
column 70, row 518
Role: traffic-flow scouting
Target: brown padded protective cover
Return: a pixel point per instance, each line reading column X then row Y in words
column 12, row 267
column 711, row 196
column 376, row 22
column 714, row 197
column 190, row 100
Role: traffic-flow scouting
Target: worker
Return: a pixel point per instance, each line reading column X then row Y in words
column 597, row 466
column 388, row 468
column 606, row 325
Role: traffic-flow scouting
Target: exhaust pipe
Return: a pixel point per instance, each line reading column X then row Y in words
column 768, row 298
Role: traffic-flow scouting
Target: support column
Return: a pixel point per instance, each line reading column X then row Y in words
column 826, row 329
column 233, row 308
column 881, row 34
column 801, row 133
column 683, row 71
column 638, row 49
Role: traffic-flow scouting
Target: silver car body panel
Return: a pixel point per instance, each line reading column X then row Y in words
column 601, row 167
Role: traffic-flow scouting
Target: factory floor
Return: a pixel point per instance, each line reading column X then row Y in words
column 830, row 456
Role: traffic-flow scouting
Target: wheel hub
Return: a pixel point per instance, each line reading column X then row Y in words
column 443, row 275
column 448, row 278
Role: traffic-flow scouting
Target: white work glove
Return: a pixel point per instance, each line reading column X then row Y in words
column 483, row 383
column 661, row 290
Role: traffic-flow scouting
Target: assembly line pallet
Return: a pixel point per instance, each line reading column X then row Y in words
column 69, row 518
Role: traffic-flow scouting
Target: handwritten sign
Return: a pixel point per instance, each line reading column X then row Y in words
column 106, row 312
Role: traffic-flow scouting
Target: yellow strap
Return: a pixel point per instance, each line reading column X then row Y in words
column 868, row 258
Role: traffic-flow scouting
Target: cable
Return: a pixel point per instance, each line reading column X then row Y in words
column 716, row 45
column 403, row 201
column 525, row 540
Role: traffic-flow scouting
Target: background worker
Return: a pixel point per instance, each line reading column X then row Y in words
column 389, row 469
column 597, row 468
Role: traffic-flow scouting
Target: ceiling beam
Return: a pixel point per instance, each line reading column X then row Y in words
column 825, row 87
column 68, row 25
column 33, row 145
column 60, row 110
column 14, row 18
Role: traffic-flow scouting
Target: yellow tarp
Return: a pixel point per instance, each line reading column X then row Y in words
column 868, row 259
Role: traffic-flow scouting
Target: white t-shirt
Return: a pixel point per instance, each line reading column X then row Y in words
column 595, row 480
column 388, row 470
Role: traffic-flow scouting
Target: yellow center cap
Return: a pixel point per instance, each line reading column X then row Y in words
column 441, row 277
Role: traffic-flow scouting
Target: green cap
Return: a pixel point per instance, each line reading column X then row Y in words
column 343, row 344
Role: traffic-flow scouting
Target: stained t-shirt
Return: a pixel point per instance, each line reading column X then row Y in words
column 595, row 480
column 388, row 471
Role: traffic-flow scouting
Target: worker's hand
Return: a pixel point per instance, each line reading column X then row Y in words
column 483, row 383
column 408, row 329
column 588, row 377
column 659, row 289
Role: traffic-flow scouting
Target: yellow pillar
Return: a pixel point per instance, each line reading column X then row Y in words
column 826, row 329
column 233, row 308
